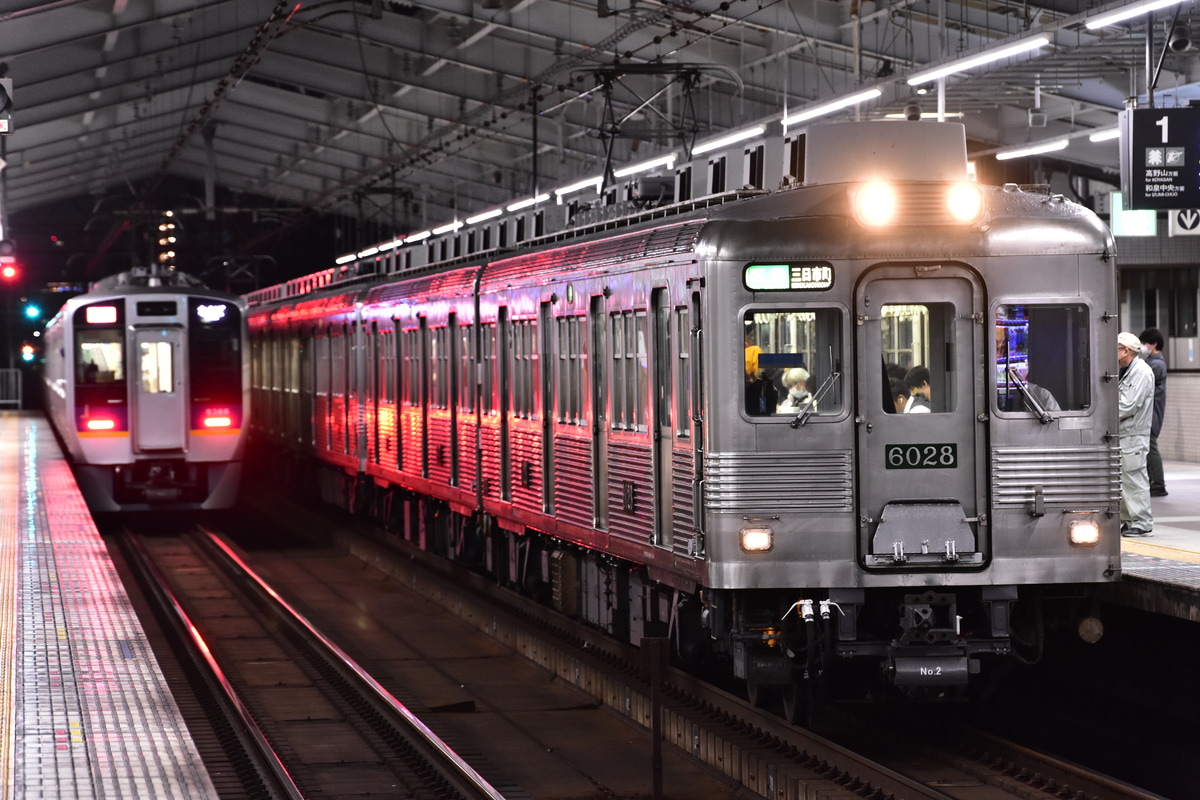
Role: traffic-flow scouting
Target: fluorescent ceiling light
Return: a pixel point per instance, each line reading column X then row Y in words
column 725, row 141
column 964, row 64
column 417, row 237
column 370, row 251
column 346, row 259
column 453, row 226
column 1128, row 12
column 393, row 244
column 829, row 108
column 665, row 161
column 575, row 187
column 527, row 202
column 1033, row 149
column 1104, row 135
column 485, row 216
column 927, row 115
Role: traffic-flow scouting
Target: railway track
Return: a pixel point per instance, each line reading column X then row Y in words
column 293, row 701
column 755, row 753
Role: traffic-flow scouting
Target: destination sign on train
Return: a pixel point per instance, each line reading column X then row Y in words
column 808, row 276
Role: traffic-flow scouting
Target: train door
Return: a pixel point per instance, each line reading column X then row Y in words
column 599, row 374
column 661, row 423
column 920, row 467
column 504, row 366
column 547, row 360
column 160, row 400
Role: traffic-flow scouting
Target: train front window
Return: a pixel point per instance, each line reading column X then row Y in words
column 793, row 362
column 100, row 356
column 917, row 371
column 1042, row 363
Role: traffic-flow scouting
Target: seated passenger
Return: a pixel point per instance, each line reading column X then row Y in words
column 795, row 381
column 899, row 396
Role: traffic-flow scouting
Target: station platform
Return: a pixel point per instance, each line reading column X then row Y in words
column 1161, row 573
column 84, row 710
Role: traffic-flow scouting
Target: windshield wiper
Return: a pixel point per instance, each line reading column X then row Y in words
column 811, row 405
column 1038, row 409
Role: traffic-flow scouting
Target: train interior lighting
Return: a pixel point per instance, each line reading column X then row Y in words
column 875, row 203
column 1084, row 533
column 757, row 539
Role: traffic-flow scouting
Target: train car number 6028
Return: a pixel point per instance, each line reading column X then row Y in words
column 922, row 456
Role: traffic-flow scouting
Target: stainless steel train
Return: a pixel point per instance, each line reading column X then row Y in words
column 682, row 422
column 147, row 385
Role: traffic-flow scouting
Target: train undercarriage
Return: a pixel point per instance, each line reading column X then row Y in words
column 793, row 648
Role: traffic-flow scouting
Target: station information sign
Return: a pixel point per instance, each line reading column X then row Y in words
column 1160, row 158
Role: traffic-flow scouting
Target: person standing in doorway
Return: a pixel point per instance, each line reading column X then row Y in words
column 1136, row 410
column 1152, row 347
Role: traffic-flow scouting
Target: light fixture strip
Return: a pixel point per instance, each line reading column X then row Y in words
column 1104, row 135
column 1033, row 150
column 1128, row 12
column 829, row 108
column 449, row 228
column 667, row 161
column 725, row 141
column 527, row 202
column 485, row 216
column 575, row 187
column 963, row 64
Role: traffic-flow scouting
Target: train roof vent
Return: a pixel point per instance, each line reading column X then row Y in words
column 151, row 277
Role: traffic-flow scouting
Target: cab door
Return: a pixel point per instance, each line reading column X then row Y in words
column 159, row 400
column 922, row 481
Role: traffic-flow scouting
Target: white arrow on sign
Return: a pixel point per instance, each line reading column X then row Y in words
column 1184, row 222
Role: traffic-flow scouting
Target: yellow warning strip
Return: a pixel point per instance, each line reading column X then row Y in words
column 1160, row 551
column 11, row 440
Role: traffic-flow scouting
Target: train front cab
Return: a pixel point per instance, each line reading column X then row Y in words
column 170, row 434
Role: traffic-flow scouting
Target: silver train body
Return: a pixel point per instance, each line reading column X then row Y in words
column 146, row 383
column 612, row 420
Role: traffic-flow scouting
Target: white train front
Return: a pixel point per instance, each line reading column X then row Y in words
column 146, row 385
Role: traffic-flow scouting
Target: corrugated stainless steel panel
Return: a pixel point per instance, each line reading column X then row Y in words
column 489, row 442
column 411, row 457
column 581, row 258
column 629, row 465
column 573, row 479
column 526, row 480
column 440, row 449
column 1066, row 475
column 683, row 517
column 809, row 481
column 466, row 453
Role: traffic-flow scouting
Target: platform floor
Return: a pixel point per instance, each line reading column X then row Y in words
column 84, row 710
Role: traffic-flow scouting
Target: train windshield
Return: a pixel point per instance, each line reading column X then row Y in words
column 793, row 362
column 1042, row 363
column 100, row 356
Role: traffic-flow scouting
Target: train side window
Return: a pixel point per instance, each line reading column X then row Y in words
column 466, row 372
column 411, row 390
column 524, row 367
column 100, row 356
column 918, row 341
column 439, row 368
column 1042, row 356
column 487, row 378
column 322, row 347
column 683, row 383
column 631, row 371
column 793, row 359
column 570, row 370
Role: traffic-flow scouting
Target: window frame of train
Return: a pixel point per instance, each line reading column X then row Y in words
column 1059, row 336
column 823, row 327
column 572, row 360
column 629, row 389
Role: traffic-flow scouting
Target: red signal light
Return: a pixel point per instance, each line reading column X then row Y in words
column 8, row 271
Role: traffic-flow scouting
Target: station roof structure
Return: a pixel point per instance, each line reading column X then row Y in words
column 434, row 109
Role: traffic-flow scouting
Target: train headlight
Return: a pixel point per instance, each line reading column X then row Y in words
column 757, row 539
column 875, row 203
column 100, row 424
column 964, row 201
column 1084, row 533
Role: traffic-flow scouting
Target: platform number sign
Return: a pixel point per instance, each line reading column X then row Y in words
column 1160, row 158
